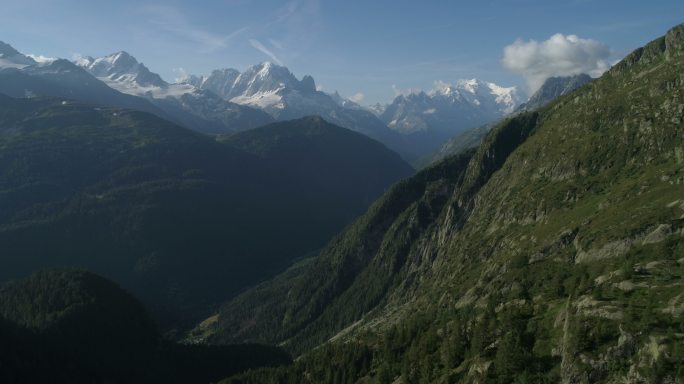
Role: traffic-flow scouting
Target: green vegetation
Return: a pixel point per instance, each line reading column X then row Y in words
column 552, row 253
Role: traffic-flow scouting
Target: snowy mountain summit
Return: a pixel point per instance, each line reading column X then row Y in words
column 448, row 109
column 262, row 86
column 121, row 67
column 481, row 94
column 183, row 102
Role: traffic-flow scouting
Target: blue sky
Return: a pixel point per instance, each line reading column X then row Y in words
column 371, row 49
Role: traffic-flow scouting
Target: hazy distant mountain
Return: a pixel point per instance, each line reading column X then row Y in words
column 429, row 119
column 183, row 102
column 275, row 90
column 21, row 76
column 122, row 68
column 120, row 81
column 377, row 108
column 552, row 88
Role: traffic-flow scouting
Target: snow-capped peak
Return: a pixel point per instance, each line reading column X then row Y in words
column 470, row 85
column 121, row 67
column 480, row 93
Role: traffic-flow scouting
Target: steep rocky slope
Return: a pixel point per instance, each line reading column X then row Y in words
column 552, row 253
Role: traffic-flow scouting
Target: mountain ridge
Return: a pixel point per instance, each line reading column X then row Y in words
column 549, row 253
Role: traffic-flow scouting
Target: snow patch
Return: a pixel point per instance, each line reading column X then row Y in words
column 263, row 100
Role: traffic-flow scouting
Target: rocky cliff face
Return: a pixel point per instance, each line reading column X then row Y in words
column 555, row 251
column 553, row 88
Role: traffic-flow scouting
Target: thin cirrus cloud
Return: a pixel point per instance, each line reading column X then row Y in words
column 559, row 55
column 257, row 45
column 170, row 20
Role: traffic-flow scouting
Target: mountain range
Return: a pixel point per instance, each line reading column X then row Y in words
column 237, row 101
column 221, row 244
column 552, row 252
column 123, row 72
column 227, row 100
column 429, row 119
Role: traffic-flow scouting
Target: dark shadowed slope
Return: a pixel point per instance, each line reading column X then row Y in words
column 182, row 220
column 71, row 326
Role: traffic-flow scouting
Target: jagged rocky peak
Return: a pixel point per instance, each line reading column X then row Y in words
column 674, row 41
column 260, row 79
column 264, row 77
column 308, row 84
column 553, row 88
column 121, row 66
column 220, row 81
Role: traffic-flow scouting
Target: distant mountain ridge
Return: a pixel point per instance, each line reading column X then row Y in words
column 183, row 102
column 428, row 119
column 275, row 90
column 553, row 88
column 228, row 100
column 121, row 67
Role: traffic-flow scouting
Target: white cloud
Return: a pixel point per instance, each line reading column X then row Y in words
column 398, row 91
column 181, row 74
column 560, row 55
column 257, row 45
column 440, row 86
column 357, row 98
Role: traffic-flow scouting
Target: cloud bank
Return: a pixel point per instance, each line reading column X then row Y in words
column 560, row 55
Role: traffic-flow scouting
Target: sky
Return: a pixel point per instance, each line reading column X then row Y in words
column 369, row 51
